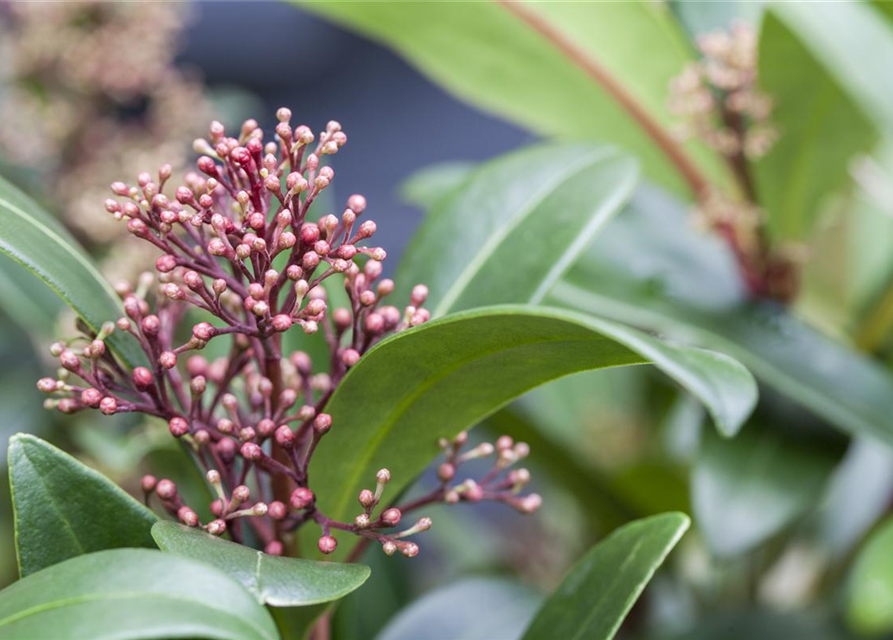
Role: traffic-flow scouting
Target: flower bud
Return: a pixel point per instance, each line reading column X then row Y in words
column 274, row 548
column 366, row 498
column 108, row 405
column 91, row 397
column 356, row 203
column 203, row 331
column 178, row 427
column 327, row 544
column 282, row 322
column 285, row 437
column 148, row 483
column 142, row 378
column 187, row 516
column 389, row 548
column 251, row 451
column 409, row 549
column 216, row 527
column 167, row 360
column 391, row 517
column 322, row 423
column 277, row 510
column 301, row 498
column 241, row 494
column 166, row 489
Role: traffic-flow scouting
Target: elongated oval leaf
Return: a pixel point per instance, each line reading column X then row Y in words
column 810, row 160
column 64, row 509
column 279, row 582
column 471, row 609
column 131, row 593
column 486, row 55
column 602, row 587
column 445, row 376
column 869, row 607
column 31, row 237
column 514, row 227
column 749, row 488
column 686, row 286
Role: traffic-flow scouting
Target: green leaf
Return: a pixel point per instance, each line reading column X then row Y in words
column 869, row 597
column 686, row 286
column 854, row 41
column 486, row 55
column 64, row 509
column 276, row 581
column 445, row 376
column 471, row 609
column 810, row 161
column 500, row 215
column 747, row 489
column 427, row 186
column 602, row 587
column 125, row 594
column 35, row 240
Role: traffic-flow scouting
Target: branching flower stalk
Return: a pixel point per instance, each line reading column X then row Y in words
column 238, row 243
column 721, row 105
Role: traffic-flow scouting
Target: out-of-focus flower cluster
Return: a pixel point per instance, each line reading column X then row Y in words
column 89, row 91
column 238, row 244
column 718, row 96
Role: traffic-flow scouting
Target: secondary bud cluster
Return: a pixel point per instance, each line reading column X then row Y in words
column 239, row 246
column 719, row 98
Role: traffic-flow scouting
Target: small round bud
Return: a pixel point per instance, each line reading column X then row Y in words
column 166, row 489
column 350, row 357
column 108, row 405
column 247, row 434
column 142, row 378
column 383, row 476
column 241, row 494
column 389, row 548
column 285, row 437
column 167, row 360
column 419, row 295
column 70, row 360
column 327, row 544
column 216, row 527
column 356, row 203
column 187, row 516
column 213, row 476
column 409, row 549
column 282, row 322
column 204, row 331
column 147, row 484
column 366, row 498
column 91, row 397
column 48, row 385
column 391, row 517
column 251, row 451
column 322, row 423
column 446, row 472
column 301, row 498
column 374, row 323
column 274, row 548
column 178, row 427
column 277, row 510
column 362, row 521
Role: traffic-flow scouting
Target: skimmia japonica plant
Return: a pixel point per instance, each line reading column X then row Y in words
column 239, row 241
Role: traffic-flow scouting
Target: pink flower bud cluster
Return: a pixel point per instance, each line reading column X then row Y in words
column 239, row 245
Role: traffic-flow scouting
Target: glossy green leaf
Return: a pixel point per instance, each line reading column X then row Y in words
column 749, row 488
column 471, row 609
column 442, row 377
column 501, row 216
column 33, row 239
column 276, row 581
column 125, row 594
column 869, row 598
column 486, row 55
column 686, row 286
column 856, row 55
column 427, row 186
column 602, row 587
column 810, row 160
column 64, row 509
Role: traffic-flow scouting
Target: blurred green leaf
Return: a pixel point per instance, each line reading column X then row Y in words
column 762, row 624
column 489, row 57
column 64, row 509
column 856, row 55
column 699, row 18
column 811, row 158
column 471, row 609
column 500, row 215
column 125, row 594
column 28, row 302
column 749, row 488
column 869, row 598
column 273, row 580
column 427, row 186
column 444, row 376
column 38, row 242
column 602, row 587
column 686, row 286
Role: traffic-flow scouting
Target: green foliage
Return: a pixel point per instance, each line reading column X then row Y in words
column 604, row 584
column 447, row 375
column 125, row 594
column 686, row 287
column 484, row 54
column 32, row 238
column 748, row 489
column 869, row 598
column 64, row 509
column 500, row 216
column 811, row 159
column 471, row 609
column 276, row 581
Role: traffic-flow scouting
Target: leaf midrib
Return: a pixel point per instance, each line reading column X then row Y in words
column 371, row 447
column 482, row 256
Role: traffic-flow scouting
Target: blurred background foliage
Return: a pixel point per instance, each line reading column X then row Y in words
column 792, row 537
